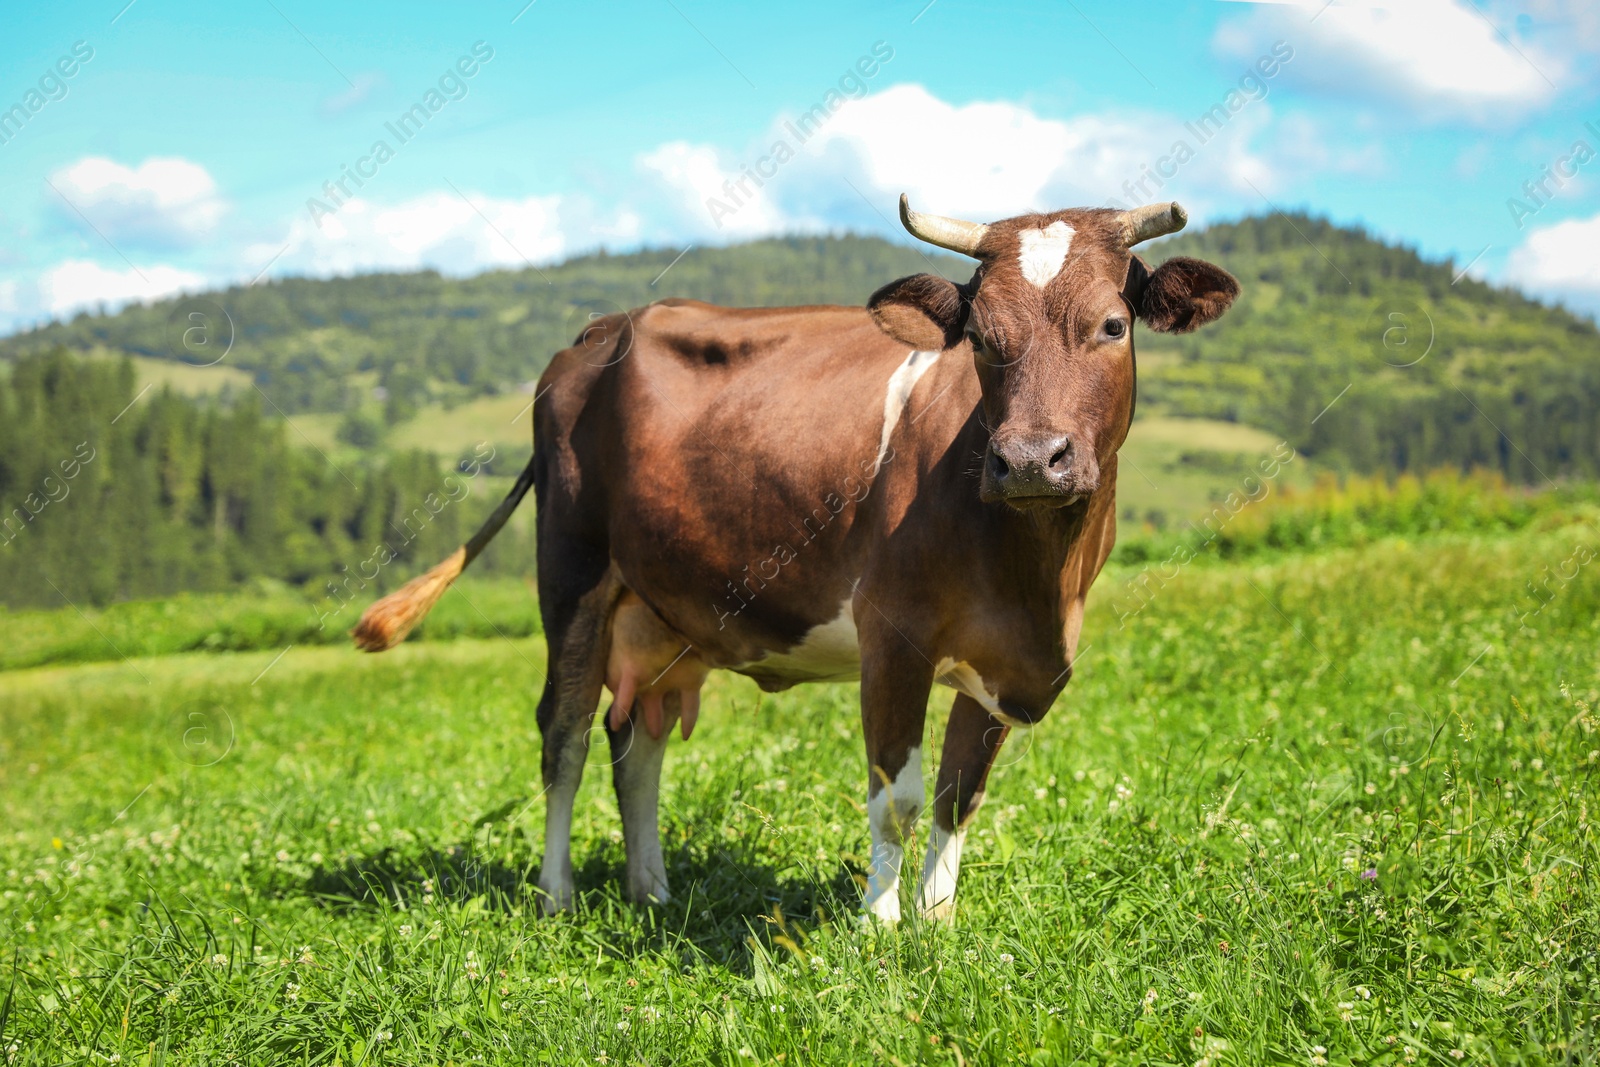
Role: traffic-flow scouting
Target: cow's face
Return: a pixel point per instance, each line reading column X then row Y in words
column 1049, row 319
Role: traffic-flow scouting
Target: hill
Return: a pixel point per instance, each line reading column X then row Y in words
column 1421, row 370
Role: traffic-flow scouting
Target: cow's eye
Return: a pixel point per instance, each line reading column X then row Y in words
column 1115, row 327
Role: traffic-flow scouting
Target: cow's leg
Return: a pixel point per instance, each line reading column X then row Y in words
column 971, row 741
column 895, row 680
column 636, row 772
column 575, row 628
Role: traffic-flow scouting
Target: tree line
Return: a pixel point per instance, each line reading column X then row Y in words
column 111, row 494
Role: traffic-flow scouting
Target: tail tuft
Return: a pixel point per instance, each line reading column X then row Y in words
column 387, row 622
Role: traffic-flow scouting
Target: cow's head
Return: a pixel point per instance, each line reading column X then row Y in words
column 1049, row 317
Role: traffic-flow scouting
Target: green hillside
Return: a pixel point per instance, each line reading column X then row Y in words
column 1466, row 375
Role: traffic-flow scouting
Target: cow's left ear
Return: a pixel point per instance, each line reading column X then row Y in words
column 924, row 311
column 1182, row 294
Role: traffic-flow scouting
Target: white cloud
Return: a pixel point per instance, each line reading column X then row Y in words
column 167, row 202
column 437, row 230
column 80, row 283
column 1439, row 58
column 984, row 160
column 1561, row 261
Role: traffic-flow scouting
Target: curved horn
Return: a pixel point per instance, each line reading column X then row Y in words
column 1152, row 220
column 954, row 234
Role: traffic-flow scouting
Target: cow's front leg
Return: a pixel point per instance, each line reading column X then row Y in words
column 971, row 741
column 895, row 680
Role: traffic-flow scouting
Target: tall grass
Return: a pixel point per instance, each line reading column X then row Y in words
column 1355, row 511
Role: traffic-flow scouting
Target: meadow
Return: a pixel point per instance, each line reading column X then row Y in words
column 1314, row 797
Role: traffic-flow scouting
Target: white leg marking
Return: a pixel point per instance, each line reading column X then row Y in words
column 1043, row 252
column 901, row 382
column 892, row 812
column 940, row 871
column 555, row 876
column 638, row 780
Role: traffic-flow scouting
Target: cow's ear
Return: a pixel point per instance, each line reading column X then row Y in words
column 1182, row 294
column 924, row 311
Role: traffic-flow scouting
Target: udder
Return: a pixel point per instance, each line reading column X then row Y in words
column 648, row 660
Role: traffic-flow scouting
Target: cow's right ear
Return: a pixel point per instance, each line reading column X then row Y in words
column 924, row 311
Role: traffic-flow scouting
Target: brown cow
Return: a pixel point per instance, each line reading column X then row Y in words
column 918, row 492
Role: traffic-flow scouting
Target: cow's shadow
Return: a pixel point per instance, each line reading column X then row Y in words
column 720, row 894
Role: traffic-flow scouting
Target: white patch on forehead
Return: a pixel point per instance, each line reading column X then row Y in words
column 901, row 382
column 828, row 653
column 1044, row 251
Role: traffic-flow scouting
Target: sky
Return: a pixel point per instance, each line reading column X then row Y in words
column 165, row 146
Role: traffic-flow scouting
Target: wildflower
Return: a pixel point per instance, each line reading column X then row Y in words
column 623, row 1025
column 305, row 955
column 1363, row 992
column 1224, row 947
column 1006, row 957
column 1391, row 1039
column 283, row 856
column 1370, row 874
column 384, row 1035
column 1149, row 1001
column 1346, row 1011
column 1040, row 794
column 291, row 991
column 405, row 929
column 220, row 960
column 1456, row 1053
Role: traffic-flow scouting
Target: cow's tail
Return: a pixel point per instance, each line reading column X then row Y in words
column 387, row 622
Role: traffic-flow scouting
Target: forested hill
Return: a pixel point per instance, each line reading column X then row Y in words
column 1421, row 372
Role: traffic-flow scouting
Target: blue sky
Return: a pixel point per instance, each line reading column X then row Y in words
column 194, row 145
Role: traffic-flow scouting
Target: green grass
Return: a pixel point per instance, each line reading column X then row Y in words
column 1333, row 806
column 268, row 616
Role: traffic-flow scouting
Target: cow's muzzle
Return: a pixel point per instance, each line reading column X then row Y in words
column 1028, row 472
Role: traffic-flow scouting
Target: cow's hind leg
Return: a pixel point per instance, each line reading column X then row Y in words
column 636, row 772
column 575, row 622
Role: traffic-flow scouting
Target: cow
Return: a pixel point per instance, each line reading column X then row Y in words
column 920, row 491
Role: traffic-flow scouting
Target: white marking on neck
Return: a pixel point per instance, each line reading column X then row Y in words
column 901, row 382
column 1044, row 251
column 964, row 679
column 892, row 811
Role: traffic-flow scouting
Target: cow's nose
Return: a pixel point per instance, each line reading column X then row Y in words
column 1030, row 466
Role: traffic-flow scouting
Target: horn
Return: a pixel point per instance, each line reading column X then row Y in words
column 954, row 234
column 1152, row 220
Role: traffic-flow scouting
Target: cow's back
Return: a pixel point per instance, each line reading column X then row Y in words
column 719, row 456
